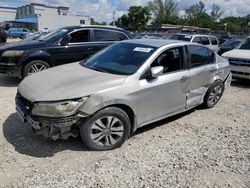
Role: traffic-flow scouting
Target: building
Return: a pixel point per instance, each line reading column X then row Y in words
column 40, row 16
column 7, row 13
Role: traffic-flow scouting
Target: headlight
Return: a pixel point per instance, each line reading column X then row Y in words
column 13, row 53
column 57, row 109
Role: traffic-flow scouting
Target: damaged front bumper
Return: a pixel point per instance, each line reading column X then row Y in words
column 54, row 128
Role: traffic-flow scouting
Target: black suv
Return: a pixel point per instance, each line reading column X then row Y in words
column 65, row 45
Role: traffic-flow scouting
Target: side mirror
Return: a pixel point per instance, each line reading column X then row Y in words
column 156, row 71
column 65, row 40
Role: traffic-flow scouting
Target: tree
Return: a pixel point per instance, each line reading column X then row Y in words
column 216, row 12
column 123, row 21
column 163, row 11
column 93, row 22
column 195, row 10
column 138, row 17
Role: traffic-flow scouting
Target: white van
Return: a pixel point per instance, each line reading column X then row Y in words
column 208, row 40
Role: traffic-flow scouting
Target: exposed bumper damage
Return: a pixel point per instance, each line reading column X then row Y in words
column 54, row 128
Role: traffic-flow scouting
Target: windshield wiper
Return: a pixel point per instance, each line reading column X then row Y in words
column 97, row 69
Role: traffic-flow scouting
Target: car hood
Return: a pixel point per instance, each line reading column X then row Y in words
column 237, row 53
column 22, row 45
column 66, row 82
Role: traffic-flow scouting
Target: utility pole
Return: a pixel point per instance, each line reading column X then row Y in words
column 113, row 18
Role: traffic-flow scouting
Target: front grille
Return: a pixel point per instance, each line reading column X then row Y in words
column 241, row 73
column 62, row 121
column 24, row 104
column 239, row 62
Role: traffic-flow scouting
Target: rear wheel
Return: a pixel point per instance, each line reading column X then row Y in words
column 213, row 94
column 34, row 67
column 107, row 129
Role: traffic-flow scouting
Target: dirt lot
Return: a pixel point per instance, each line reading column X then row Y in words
column 201, row 148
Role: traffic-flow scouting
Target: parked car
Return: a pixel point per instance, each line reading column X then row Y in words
column 150, row 36
column 228, row 45
column 18, row 32
column 207, row 40
column 125, row 86
column 65, row 45
column 239, row 59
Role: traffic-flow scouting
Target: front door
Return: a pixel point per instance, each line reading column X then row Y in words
column 166, row 94
column 78, row 48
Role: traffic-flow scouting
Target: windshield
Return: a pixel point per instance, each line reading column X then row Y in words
column 121, row 58
column 53, row 36
column 245, row 44
column 181, row 37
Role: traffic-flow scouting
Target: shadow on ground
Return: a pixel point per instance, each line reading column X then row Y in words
column 26, row 142
column 241, row 83
column 9, row 81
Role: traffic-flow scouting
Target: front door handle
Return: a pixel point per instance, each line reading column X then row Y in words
column 185, row 77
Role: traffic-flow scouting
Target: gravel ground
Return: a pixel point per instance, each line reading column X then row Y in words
column 200, row 148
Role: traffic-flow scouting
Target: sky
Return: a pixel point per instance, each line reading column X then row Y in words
column 102, row 10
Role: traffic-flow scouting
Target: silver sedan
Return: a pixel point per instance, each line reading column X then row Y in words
column 107, row 97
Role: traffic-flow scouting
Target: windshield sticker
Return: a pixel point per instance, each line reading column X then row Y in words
column 188, row 37
column 140, row 49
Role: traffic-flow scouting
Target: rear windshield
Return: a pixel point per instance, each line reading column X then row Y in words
column 181, row 37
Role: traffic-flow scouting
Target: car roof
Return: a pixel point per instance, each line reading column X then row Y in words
column 195, row 34
column 94, row 26
column 155, row 42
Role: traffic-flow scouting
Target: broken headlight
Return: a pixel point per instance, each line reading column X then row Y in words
column 57, row 109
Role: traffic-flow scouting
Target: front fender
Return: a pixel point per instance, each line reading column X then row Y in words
column 38, row 54
column 96, row 103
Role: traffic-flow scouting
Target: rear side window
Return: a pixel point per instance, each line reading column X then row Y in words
column 199, row 56
column 120, row 36
column 204, row 40
column 103, row 35
column 80, row 36
column 213, row 40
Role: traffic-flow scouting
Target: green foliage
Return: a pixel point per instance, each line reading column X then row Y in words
column 93, row 22
column 194, row 11
column 163, row 11
column 216, row 12
column 136, row 19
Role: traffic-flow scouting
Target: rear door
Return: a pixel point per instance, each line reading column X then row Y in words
column 103, row 38
column 202, row 67
column 214, row 44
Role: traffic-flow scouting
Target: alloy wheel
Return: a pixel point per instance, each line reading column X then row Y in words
column 36, row 67
column 215, row 95
column 107, row 131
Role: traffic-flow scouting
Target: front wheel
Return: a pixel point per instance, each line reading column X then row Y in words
column 34, row 67
column 107, row 129
column 213, row 94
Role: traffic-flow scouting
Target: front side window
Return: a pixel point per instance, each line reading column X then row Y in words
column 80, row 36
column 171, row 60
column 121, row 58
column 103, row 35
column 199, row 56
column 196, row 39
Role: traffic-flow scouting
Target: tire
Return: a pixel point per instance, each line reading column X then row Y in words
column 100, row 132
column 29, row 68
column 213, row 94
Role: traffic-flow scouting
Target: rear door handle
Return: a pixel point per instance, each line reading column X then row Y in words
column 185, row 77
